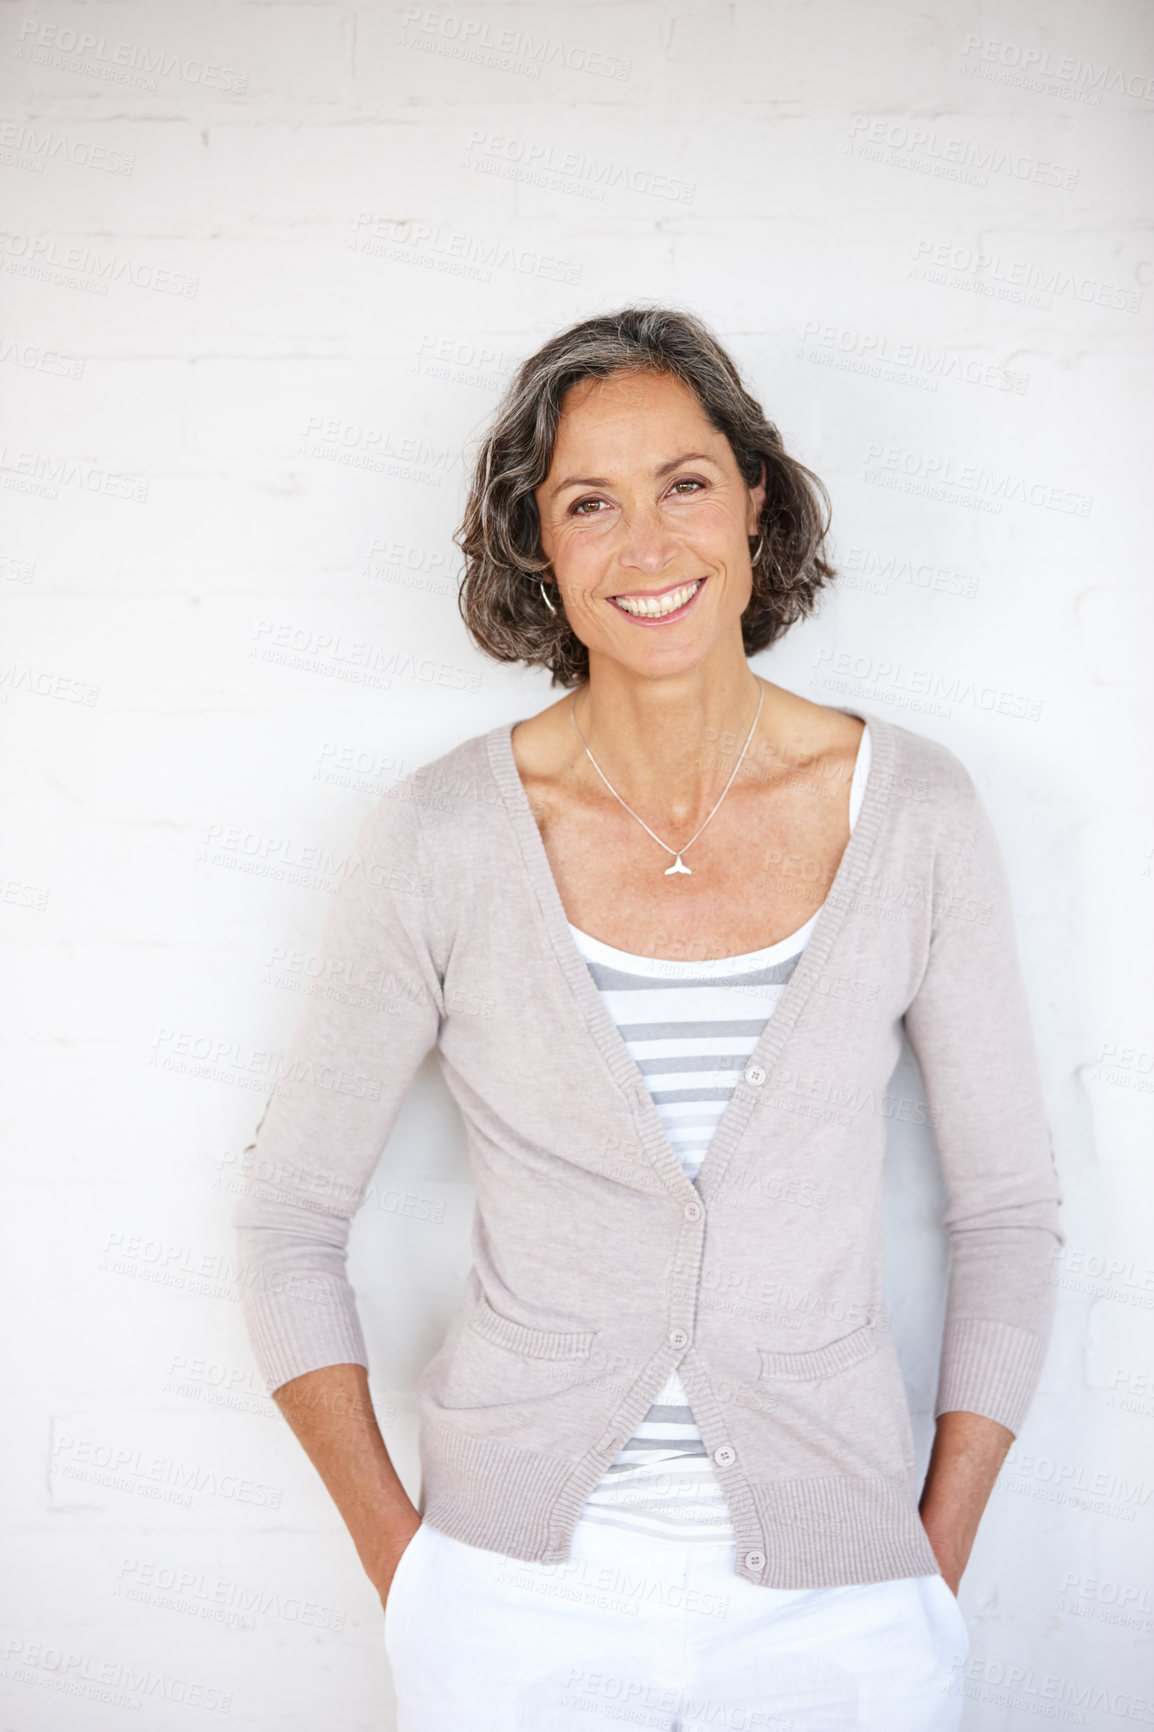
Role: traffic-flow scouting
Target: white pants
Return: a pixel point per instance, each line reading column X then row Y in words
column 648, row 1633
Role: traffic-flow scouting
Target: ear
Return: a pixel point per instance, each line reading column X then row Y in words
column 756, row 502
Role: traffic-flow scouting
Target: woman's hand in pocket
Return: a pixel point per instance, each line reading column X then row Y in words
column 400, row 1540
column 967, row 1454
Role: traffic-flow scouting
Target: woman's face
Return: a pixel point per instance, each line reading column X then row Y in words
column 646, row 521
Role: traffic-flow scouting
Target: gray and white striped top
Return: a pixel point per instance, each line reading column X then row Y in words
column 690, row 1028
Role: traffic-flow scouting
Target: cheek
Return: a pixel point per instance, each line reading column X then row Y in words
column 580, row 546
column 711, row 524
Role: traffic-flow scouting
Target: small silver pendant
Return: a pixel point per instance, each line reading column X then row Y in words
column 678, row 867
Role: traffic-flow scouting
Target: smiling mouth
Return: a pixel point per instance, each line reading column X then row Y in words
column 657, row 606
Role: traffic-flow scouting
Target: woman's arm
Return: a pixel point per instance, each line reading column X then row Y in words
column 969, row 1027
column 373, row 1012
column 967, row 1455
column 332, row 1415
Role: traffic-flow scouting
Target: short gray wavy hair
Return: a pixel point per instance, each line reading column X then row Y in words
column 500, row 534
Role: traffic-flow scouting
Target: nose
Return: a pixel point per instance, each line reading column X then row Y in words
column 647, row 545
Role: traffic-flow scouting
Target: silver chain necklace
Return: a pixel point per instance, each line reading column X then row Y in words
column 678, row 864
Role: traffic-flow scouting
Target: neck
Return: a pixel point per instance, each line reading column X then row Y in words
column 668, row 744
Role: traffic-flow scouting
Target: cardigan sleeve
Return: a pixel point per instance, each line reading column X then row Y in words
column 969, row 1026
column 373, row 1012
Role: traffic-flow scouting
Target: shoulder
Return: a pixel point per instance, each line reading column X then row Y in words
column 420, row 847
column 933, row 801
column 438, row 796
column 946, row 813
column 926, row 772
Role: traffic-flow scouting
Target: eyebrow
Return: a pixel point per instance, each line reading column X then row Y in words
column 662, row 470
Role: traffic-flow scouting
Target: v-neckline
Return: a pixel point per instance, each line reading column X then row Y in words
column 607, row 1036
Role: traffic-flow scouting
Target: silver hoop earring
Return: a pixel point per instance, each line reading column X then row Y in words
column 756, row 554
column 545, row 596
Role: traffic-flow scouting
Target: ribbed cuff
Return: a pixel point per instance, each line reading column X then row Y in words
column 989, row 1368
column 291, row 1334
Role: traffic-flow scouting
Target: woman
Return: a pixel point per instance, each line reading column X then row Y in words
column 666, row 936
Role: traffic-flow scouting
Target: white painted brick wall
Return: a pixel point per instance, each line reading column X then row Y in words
column 862, row 199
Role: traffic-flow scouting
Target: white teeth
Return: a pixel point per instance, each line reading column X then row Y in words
column 655, row 607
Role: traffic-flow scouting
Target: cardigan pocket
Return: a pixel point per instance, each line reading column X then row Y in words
column 848, row 1395
column 495, row 1376
column 533, row 1343
column 821, row 1362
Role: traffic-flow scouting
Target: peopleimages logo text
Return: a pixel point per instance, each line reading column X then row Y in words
column 924, row 146
column 476, row 39
column 994, row 270
column 996, row 487
column 1069, row 70
column 47, row 42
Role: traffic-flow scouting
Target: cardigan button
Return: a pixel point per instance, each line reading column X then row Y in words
column 693, row 1211
column 678, row 1338
column 725, row 1456
column 755, row 1075
column 755, row 1561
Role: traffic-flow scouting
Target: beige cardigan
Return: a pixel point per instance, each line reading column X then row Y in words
column 597, row 1265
